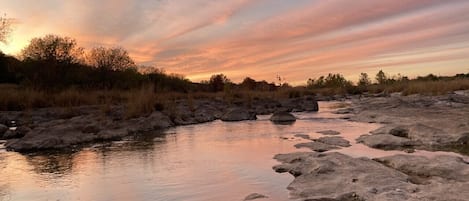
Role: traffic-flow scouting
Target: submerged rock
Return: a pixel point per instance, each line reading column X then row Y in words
column 254, row 196
column 329, row 132
column 282, row 117
column 336, row 141
column 316, row 146
column 238, row 114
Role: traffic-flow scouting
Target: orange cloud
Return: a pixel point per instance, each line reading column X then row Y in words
column 258, row 38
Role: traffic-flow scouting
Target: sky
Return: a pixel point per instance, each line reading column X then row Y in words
column 262, row 39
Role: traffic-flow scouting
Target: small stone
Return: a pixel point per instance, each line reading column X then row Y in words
column 254, row 196
column 282, row 117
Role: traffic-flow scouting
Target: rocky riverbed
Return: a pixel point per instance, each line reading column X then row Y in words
column 409, row 123
column 70, row 128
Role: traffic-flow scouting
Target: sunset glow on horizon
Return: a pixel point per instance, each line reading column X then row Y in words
column 261, row 39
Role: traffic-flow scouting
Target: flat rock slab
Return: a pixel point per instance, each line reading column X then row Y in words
column 335, row 176
column 335, row 141
column 329, row 132
column 385, row 141
column 316, row 146
column 304, row 136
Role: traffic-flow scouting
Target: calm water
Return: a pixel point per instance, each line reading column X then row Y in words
column 212, row 161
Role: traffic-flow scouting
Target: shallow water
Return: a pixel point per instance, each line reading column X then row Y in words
column 212, row 161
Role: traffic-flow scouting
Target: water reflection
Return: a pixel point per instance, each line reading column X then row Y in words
column 58, row 164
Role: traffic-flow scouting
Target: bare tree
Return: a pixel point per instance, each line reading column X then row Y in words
column 5, row 28
column 116, row 59
column 53, row 49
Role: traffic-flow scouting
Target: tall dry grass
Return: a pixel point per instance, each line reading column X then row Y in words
column 141, row 102
column 144, row 100
column 435, row 87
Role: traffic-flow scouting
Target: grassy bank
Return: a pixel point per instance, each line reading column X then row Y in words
column 145, row 99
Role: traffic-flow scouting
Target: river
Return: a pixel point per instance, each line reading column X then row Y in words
column 204, row 162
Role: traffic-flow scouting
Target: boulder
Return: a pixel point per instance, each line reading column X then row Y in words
column 238, row 114
column 154, row 121
column 282, row 117
column 54, row 137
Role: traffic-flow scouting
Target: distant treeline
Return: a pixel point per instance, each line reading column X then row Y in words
column 54, row 63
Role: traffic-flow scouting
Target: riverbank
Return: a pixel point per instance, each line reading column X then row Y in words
column 433, row 123
column 69, row 128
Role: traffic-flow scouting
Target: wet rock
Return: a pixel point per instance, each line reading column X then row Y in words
column 254, row 196
column 316, row 146
column 335, row 141
column 238, row 114
column 385, row 141
column 400, row 132
column 282, row 117
column 205, row 114
column 329, row 132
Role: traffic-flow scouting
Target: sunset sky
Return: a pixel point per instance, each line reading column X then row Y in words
column 296, row 39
